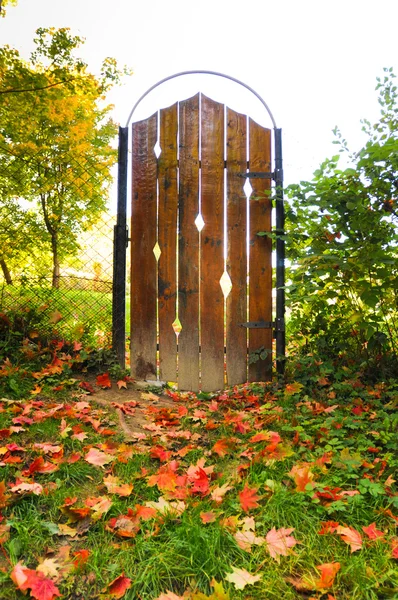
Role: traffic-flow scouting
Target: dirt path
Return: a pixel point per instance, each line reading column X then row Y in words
column 132, row 404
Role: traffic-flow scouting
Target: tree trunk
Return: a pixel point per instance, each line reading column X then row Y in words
column 6, row 272
column 54, row 246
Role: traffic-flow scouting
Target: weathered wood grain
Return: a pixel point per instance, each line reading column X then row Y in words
column 188, row 245
column 260, row 250
column 143, row 240
column 236, row 305
column 212, row 245
column 167, row 239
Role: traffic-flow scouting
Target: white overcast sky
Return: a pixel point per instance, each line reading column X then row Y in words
column 314, row 62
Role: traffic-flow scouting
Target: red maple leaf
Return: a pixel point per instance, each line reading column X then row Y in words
column 84, row 385
column 248, row 498
column 328, row 527
column 372, row 532
column 40, row 586
column 119, row 586
column 104, row 381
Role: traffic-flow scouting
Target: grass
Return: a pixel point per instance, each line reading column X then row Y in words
column 80, row 310
column 340, row 431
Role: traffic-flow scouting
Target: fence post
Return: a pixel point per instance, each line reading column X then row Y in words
column 280, row 257
column 119, row 254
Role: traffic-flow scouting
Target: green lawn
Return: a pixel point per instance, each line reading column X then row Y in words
column 294, row 485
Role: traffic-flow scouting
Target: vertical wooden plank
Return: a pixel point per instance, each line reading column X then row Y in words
column 212, row 246
column 260, row 250
column 188, row 245
column 143, row 240
column 167, row 239
column 236, row 304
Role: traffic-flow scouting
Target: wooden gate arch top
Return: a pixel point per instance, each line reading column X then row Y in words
column 177, row 267
column 201, row 277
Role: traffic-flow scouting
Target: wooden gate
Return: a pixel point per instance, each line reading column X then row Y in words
column 194, row 232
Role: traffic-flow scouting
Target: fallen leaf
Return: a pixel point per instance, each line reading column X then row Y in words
column 240, row 578
column 248, row 498
column 104, row 381
column 328, row 574
column 372, row 532
column 81, row 557
column 84, row 385
column 49, row 567
column 114, row 486
column 119, row 586
column 26, row 488
column 279, row 541
column 218, row 493
column 245, row 540
column 350, row 536
column 64, row 529
column 98, row 458
column 302, row 476
column 121, row 384
column 208, row 517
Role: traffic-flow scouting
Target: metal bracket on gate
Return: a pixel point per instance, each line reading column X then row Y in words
column 276, row 175
column 278, row 325
column 252, row 175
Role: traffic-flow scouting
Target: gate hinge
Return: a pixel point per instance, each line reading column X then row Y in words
column 278, row 325
column 258, row 324
column 252, row 175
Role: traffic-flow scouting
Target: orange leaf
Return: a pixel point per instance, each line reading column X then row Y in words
column 119, row 586
column 328, row 573
column 208, row 517
column 302, row 476
column 114, row 486
column 328, row 527
column 222, row 447
column 372, row 532
column 248, row 498
column 104, row 381
column 81, row 558
column 350, row 536
column 121, row 384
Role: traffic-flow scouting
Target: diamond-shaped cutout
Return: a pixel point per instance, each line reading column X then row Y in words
column 177, row 326
column 157, row 149
column 247, row 188
column 157, row 251
column 226, row 284
column 199, row 222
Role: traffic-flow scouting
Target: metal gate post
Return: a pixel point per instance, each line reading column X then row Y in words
column 280, row 257
column 120, row 241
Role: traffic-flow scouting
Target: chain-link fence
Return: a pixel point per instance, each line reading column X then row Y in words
column 56, row 242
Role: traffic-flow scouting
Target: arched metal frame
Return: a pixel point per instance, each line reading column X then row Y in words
column 121, row 231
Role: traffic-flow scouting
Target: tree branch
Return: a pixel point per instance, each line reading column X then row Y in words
column 16, row 91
